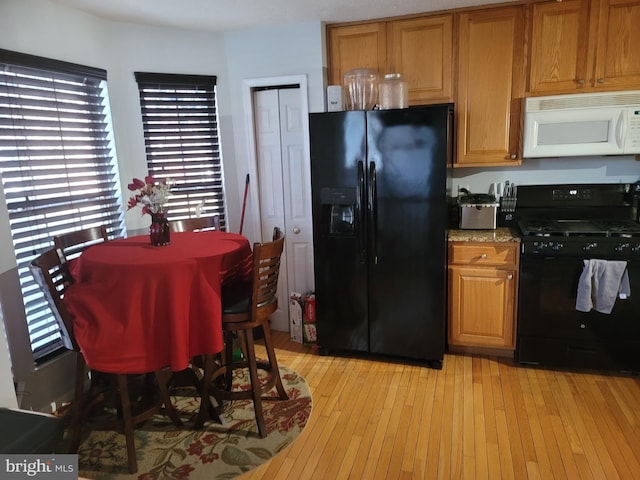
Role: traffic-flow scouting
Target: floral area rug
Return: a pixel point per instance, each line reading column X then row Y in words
column 218, row 451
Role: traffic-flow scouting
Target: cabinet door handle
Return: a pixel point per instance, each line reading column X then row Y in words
column 513, row 156
column 483, row 256
column 601, row 80
column 580, row 81
column 510, row 277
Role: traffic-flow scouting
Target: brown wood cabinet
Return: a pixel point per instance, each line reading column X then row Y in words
column 356, row 46
column 483, row 279
column 584, row 45
column 419, row 48
column 490, row 86
column 618, row 45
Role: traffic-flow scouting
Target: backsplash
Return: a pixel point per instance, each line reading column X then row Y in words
column 619, row 169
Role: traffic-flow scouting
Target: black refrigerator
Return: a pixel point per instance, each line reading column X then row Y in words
column 380, row 181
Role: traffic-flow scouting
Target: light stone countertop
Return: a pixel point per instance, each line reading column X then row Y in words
column 500, row 234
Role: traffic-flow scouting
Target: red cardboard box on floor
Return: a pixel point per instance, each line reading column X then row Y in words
column 296, row 309
column 309, row 319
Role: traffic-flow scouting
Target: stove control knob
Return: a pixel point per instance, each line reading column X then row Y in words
column 636, row 248
column 589, row 246
column 621, row 247
column 557, row 246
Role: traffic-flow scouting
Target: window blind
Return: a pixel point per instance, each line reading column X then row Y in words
column 58, row 166
column 180, row 120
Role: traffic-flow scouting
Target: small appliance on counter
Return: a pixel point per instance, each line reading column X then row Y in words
column 478, row 211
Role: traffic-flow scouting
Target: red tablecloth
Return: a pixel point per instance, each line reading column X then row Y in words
column 138, row 308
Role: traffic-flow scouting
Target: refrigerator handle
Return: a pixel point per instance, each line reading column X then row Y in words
column 373, row 211
column 361, row 201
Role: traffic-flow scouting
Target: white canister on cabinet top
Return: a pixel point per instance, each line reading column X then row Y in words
column 394, row 92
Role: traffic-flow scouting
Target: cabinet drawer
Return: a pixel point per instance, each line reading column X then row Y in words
column 482, row 254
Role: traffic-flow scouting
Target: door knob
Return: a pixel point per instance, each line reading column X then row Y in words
column 296, row 230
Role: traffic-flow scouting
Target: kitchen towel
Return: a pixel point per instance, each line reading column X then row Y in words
column 601, row 282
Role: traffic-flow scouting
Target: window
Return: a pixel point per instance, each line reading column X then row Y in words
column 58, row 166
column 181, row 137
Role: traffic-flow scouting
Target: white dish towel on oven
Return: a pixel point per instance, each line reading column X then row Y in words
column 601, row 282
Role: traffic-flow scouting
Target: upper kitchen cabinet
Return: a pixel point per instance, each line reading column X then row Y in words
column 421, row 50
column 584, row 45
column 490, row 86
column 356, row 46
column 560, row 46
column 618, row 47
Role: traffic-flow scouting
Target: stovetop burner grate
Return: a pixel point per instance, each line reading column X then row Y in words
column 579, row 228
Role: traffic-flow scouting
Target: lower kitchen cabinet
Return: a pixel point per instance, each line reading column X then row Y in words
column 483, row 280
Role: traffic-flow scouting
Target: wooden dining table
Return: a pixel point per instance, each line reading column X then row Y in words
column 138, row 307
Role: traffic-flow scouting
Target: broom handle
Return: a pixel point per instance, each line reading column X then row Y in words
column 244, row 202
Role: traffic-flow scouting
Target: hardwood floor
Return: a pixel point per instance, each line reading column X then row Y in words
column 478, row 417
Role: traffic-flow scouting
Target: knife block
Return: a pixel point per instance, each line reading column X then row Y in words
column 506, row 214
column 506, row 219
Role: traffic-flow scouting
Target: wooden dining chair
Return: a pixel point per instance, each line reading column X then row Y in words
column 245, row 307
column 73, row 243
column 195, row 224
column 51, row 273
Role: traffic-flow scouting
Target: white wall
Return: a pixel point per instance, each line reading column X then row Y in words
column 622, row 169
column 263, row 53
column 136, row 48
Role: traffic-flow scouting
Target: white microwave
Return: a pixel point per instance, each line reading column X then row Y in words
column 582, row 124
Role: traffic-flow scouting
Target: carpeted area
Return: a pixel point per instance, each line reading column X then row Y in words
column 215, row 452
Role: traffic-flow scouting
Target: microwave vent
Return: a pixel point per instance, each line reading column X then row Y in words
column 582, row 100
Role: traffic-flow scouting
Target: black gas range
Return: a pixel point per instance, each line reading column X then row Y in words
column 578, row 220
column 565, row 229
column 607, row 237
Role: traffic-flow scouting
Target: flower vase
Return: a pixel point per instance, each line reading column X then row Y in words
column 159, row 229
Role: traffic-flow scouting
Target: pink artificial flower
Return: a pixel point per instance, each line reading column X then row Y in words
column 138, row 184
column 133, row 201
column 151, row 195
